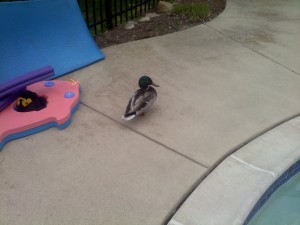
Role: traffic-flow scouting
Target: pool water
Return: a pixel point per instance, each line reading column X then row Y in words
column 283, row 207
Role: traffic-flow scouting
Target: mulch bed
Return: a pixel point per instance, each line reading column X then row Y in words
column 157, row 26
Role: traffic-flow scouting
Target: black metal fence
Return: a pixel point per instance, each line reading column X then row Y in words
column 102, row 15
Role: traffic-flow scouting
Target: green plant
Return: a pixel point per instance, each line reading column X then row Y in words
column 193, row 10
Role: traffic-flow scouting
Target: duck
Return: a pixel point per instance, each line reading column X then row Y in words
column 142, row 99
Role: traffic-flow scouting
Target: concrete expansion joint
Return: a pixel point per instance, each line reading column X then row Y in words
column 253, row 50
column 147, row 137
column 252, row 166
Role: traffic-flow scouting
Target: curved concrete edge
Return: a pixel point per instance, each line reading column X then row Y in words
column 228, row 194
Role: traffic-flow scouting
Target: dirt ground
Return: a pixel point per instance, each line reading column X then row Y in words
column 163, row 24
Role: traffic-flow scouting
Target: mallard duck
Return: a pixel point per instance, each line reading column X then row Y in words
column 142, row 99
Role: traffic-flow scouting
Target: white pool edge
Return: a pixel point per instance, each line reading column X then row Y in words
column 228, row 194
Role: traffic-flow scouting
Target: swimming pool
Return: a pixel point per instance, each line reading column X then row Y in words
column 280, row 203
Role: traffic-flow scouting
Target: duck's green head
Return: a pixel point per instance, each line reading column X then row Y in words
column 145, row 82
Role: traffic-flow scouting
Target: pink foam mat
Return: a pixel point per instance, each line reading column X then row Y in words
column 62, row 97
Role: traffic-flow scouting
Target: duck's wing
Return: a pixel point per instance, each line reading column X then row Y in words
column 140, row 99
column 149, row 98
column 135, row 101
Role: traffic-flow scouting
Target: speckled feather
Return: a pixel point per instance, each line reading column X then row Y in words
column 141, row 101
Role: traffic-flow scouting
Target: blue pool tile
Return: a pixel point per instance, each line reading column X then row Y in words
column 273, row 187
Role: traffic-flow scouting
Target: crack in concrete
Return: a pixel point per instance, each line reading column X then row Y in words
column 252, row 166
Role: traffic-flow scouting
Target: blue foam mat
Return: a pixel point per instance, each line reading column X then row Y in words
column 44, row 32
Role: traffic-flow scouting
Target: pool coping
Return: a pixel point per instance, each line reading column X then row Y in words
column 230, row 193
column 286, row 176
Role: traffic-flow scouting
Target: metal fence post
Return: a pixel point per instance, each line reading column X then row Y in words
column 108, row 12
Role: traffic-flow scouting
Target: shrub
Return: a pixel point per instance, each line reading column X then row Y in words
column 194, row 11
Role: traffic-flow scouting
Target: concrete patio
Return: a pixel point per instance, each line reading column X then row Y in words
column 222, row 85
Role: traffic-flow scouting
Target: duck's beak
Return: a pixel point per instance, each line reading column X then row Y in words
column 154, row 84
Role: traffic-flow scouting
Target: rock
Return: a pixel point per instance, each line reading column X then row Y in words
column 152, row 15
column 163, row 7
column 129, row 25
column 144, row 19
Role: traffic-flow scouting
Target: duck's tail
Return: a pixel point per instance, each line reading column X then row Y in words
column 129, row 116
